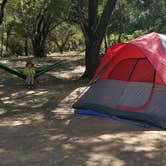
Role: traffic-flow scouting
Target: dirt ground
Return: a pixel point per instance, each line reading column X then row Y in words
column 38, row 127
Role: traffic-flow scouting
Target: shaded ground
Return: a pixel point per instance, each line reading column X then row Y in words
column 38, row 127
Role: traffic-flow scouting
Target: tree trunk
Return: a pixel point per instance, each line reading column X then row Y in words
column 91, row 59
column 2, row 40
column 7, row 40
column 61, row 49
column 109, row 38
column 94, row 34
column 2, row 6
column 39, row 51
column 26, row 46
column 39, row 46
column 41, row 29
column 119, row 37
column 61, row 46
column 105, row 43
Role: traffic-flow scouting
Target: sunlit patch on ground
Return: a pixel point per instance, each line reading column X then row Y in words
column 66, row 74
column 38, row 127
column 65, row 106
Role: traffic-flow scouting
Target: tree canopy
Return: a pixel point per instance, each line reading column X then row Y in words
column 39, row 27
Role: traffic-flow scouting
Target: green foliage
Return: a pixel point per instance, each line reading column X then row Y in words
column 32, row 19
column 133, row 18
column 21, row 23
column 16, row 47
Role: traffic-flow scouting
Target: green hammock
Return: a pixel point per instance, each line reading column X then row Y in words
column 39, row 71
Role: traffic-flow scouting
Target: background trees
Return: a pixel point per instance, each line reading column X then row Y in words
column 39, row 18
column 39, row 27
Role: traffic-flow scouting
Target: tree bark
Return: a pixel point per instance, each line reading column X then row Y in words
column 105, row 42
column 2, row 40
column 41, row 28
column 2, row 6
column 7, row 40
column 94, row 34
column 26, row 46
column 61, row 46
column 39, row 50
column 91, row 60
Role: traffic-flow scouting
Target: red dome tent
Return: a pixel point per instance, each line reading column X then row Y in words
column 130, row 81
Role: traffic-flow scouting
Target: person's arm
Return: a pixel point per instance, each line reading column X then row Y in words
column 33, row 71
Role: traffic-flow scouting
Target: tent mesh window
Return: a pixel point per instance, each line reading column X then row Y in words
column 135, row 70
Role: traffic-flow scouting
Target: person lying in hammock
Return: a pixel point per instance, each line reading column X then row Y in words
column 29, row 71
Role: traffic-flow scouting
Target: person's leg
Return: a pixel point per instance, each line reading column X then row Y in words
column 28, row 80
column 32, row 79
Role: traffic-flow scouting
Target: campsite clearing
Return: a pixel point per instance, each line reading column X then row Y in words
column 38, row 127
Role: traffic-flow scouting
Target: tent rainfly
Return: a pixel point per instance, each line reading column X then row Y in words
column 130, row 81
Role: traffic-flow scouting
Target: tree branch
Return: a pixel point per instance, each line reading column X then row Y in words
column 2, row 7
column 92, row 15
column 55, row 25
column 101, row 27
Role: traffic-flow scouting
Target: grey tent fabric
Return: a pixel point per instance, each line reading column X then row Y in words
column 163, row 41
column 106, row 95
